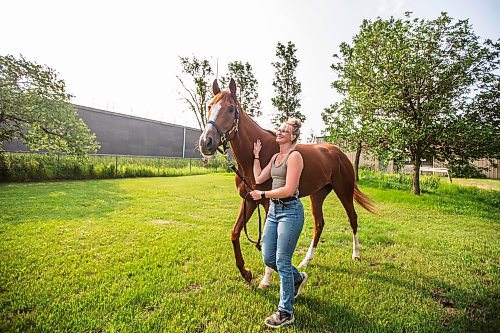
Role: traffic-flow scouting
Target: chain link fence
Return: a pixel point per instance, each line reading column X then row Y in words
column 28, row 166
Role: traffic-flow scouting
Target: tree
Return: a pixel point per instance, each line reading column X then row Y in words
column 348, row 128
column 421, row 81
column 247, row 86
column 476, row 131
column 35, row 109
column 197, row 93
column 286, row 85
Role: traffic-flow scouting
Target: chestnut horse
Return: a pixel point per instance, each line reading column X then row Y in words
column 326, row 168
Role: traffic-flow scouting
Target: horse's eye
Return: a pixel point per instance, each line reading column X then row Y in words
column 230, row 109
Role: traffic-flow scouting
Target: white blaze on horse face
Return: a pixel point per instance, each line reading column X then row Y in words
column 214, row 111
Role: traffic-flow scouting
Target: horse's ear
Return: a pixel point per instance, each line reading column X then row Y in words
column 215, row 87
column 232, row 87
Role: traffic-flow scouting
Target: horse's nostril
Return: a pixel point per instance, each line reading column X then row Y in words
column 208, row 142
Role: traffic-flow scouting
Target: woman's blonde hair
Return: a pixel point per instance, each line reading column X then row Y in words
column 295, row 124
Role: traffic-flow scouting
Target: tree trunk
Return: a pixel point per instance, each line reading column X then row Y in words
column 356, row 161
column 416, row 173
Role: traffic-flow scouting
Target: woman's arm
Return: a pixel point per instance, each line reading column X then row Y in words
column 260, row 175
column 295, row 164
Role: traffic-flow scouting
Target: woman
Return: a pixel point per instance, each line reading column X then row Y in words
column 285, row 218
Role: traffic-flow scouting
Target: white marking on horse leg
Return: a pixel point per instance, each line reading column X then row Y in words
column 355, row 247
column 309, row 255
column 266, row 280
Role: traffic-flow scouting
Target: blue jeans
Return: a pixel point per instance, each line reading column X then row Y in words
column 281, row 232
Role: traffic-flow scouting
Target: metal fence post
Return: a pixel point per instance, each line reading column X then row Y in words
column 184, row 144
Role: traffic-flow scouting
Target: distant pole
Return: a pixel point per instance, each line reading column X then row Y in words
column 184, row 144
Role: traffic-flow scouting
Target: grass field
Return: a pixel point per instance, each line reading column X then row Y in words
column 154, row 255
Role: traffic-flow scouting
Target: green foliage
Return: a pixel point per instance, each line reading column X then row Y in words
column 344, row 126
column 286, row 85
column 467, row 170
column 247, row 84
column 195, row 77
column 155, row 255
column 429, row 88
column 24, row 167
column 398, row 181
column 35, row 108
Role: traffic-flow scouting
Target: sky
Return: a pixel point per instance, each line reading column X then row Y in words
column 123, row 56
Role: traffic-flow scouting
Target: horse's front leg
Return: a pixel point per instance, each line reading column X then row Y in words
column 243, row 217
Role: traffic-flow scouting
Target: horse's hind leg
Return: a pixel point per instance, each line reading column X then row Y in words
column 345, row 194
column 317, row 200
column 353, row 220
column 266, row 280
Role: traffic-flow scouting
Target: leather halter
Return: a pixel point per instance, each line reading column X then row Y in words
column 226, row 137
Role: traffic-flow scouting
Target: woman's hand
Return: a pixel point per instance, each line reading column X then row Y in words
column 256, row 195
column 257, row 146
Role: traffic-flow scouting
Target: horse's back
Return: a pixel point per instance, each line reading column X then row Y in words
column 322, row 163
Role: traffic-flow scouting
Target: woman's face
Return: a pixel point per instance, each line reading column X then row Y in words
column 284, row 134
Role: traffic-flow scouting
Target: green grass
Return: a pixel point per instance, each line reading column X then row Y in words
column 154, row 255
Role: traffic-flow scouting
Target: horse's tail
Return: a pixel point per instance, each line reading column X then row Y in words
column 364, row 200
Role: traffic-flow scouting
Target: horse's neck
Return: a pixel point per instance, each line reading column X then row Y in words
column 242, row 146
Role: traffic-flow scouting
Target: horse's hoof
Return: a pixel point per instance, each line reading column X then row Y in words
column 356, row 258
column 263, row 286
column 247, row 275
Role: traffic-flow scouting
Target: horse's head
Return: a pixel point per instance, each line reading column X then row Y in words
column 223, row 117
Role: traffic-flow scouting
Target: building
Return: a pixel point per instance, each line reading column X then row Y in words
column 120, row 134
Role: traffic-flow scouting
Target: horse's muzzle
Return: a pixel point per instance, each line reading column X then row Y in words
column 208, row 144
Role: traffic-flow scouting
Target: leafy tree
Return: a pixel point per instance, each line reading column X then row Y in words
column 476, row 130
column 197, row 93
column 423, row 82
column 348, row 128
column 247, row 85
column 35, row 108
column 286, row 85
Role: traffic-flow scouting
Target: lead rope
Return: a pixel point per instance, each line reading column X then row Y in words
column 238, row 173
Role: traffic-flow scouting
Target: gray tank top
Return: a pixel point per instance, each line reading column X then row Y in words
column 278, row 173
